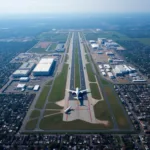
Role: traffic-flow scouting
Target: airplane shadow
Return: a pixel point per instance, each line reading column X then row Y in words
column 69, row 111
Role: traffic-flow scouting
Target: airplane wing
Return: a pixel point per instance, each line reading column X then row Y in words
column 86, row 90
column 70, row 91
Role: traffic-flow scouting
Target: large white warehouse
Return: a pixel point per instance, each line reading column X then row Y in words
column 44, row 67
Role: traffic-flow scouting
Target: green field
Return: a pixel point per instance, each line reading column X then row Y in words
column 52, row 47
column 55, row 122
column 31, row 125
column 66, row 58
column 116, row 108
column 59, row 85
column 38, row 50
column 115, row 36
column 145, row 41
column 53, row 106
column 42, row 98
column 87, row 58
column 106, row 34
column 35, row 114
column 49, row 82
column 95, row 91
column 77, row 72
column 90, row 73
column 53, row 37
column 50, row 112
column 102, row 112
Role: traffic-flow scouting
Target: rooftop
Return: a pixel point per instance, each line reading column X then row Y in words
column 21, row 72
column 46, row 61
column 42, row 68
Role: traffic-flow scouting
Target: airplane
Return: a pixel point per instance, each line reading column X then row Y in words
column 77, row 92
column 67, row 109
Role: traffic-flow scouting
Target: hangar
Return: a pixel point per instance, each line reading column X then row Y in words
column 44, row 67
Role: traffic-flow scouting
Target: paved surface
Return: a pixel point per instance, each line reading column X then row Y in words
column 81, row 109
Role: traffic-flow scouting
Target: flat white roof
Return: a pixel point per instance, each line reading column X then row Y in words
column 94, row 45
column 42, row 68
column 110, row 74
column 24, row 78
column 100, row 66
column 21, row 85
column 21, row 72
column 92, row 41
column 46, row 61
column 36, row 87
column 107, row 66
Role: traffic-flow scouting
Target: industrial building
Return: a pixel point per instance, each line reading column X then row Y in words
column 107, row 70
column 24, row 79
column 100, row 66
column 21, row 86
column 60, row 48
column 111, row 44
column 24, row 70
column 36, row 88
column 109, row 53
column 21, row 73
column 103, row 73
column 110, row 60
column 95, row 46
column 138, row 79
column 120, row 70
column 118, row 61
column 92, row 41
column 101, row 40
column 111, row 76
column 107, row 66
column 44, row 67
column 27, row 66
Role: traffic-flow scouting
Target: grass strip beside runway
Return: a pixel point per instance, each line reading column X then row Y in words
column 95, row 91
column 53, row 106
column 59, row 86
column 77, row 69
column 50, row 112
column 102, row 112
column 35, row 114
column 31, row 124
column 66, row 58
column 87, row 58
column 116, row 108
column 91, row 76
column 42, row 98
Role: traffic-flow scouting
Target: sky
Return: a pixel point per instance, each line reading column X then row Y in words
column 73, row 6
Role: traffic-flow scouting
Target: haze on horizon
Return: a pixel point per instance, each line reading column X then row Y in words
column 76, row 6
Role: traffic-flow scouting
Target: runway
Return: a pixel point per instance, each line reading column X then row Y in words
column 82, row 78
column 81, row 109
